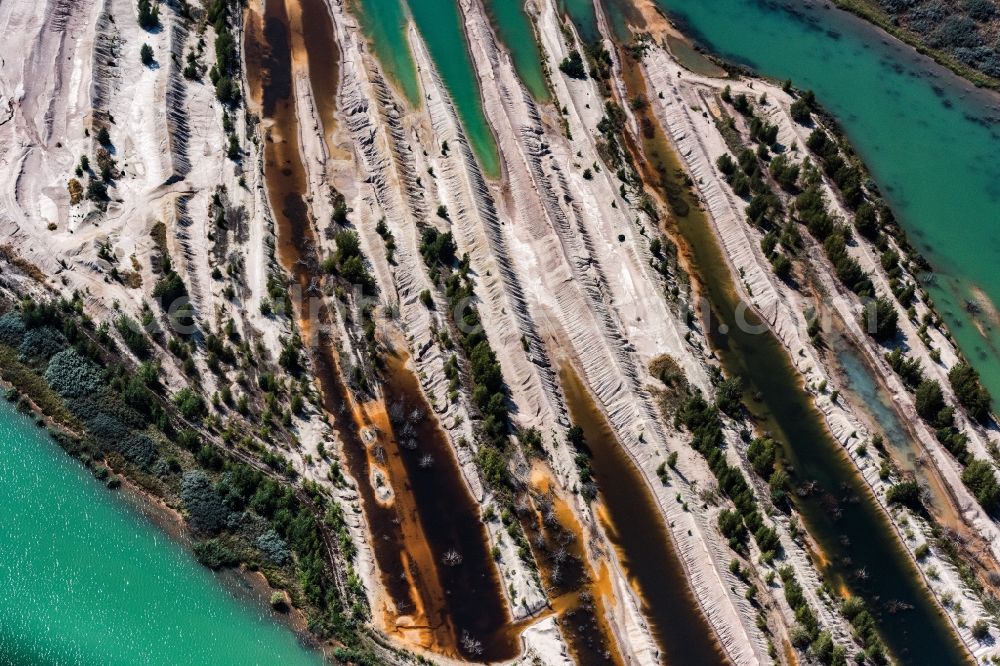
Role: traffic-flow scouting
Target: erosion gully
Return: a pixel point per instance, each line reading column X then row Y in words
column 418, row 514
column 860, row 550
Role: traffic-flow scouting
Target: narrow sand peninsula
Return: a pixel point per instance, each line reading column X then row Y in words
column 700, row 144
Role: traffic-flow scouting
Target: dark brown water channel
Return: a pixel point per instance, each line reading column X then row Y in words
column 579, row 595
column 473, row 593
column 429, row 543
column 861, row 550
column 643, row 542
column 324, row 60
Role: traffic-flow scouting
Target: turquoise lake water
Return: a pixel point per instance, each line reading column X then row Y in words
column 384, row 23
column 515, row 31
column 440, row 24
column 584, row 16
column 930, row 139
column 88, row 579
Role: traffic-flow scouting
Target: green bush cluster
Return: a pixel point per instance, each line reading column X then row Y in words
column 12, row 329
column 273, row 547
column 807, row 634
column 215, row 554
column 802, row 108
column 149, row 14
column 762, row 454
column 72, row 376
column 702, row 420
column 743, row 174
column 348, row 262
column 133, row 335
column 489, row 392
column 763, row 132
column 906, row 493
column 970, row 392
column 294, row 523
column 117, row 408
column 784, row 172
column 226, row 70
column 810, row 209
column 846, row 176
column 572, row 66
column 40, row 343
column 980, row 477
column 438, row 249
column 907, row 368
column 206, row 512
column 854, row 610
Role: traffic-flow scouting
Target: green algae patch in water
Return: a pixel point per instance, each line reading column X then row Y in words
column 513, row 26
column 929, row 138
column 440, row 24
column 88, row 579
column 384, row 24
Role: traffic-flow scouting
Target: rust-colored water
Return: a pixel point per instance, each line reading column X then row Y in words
column 580, row 596
column 427, row 603
column 641, row 538
column 427, row 478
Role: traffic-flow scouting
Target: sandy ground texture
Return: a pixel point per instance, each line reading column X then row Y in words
column 785, row 310
column 558, row 250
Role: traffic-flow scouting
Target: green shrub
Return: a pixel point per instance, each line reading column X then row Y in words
column 980, row 630
column 437, row 248
column 149, row 14
column 190, row 403
column 273, row 547
column 169, row 289
column 907, row 369
column 133, row 336
column 731, row 526
column 866, row 221
column 729, row 396
column 929, row 400
column 981, row 479
column 800, row 112
column 906, row 493
column 11, row 329
column 970, row 392
column 71, row 375
column 206, row 512
column 879, row 318
column 762, row 452
column 572, row 66
column 215, row 555
column 40, row 344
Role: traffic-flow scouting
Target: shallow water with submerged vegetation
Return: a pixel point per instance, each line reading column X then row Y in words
column 88, row 579
column 929, row 138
